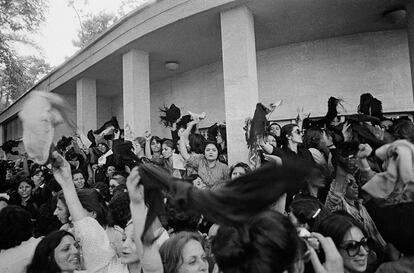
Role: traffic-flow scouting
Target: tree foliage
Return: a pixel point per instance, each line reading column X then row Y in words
column 92, row 27
column 19, row 73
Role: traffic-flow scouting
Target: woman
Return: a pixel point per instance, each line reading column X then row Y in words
column 319, row 143
column 291, row 140
column 152, row 146
column 78, row 179
column 184, row 253
column 350, row 238
column 209, row 168
column 275, row 129
column 307, row 213
column 169, row 160
column 57, row 252
column 239, row 169
column 62, row 212
column 25, row 197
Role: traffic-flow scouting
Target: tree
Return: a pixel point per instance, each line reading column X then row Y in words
column 92, row 27
column 17, row 73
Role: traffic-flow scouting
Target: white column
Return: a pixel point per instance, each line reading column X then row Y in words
column 86, row 104
column 410, row 34
column 136, row 93
column 240, row 77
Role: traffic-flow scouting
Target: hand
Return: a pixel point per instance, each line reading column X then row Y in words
column 148, row 135
column 135, row 190
column 117, row 134
column 347, row 132
column 333, row 261
column 301, row 114
column 273, row 158
column 364, row 151
column 61, row 169
column 378, row 132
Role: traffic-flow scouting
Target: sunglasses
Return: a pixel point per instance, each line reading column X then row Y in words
column 354, row 247
column 299, row 132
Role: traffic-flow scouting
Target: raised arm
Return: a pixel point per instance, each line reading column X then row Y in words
column 148, row 145
column 63, row 175
column 137, row 206
column 182, row 147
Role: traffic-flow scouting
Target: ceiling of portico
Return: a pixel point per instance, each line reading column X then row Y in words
column 195, row 41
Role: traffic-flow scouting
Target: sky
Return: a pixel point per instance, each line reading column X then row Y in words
column 55, row 35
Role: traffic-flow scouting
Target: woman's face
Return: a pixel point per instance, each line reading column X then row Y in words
column 238, row 171
column 78, row 180
column 275, row 130
column 66, row 254
column 296, row 135
column 110, row 171
column 24, row 190
column 358, row 263
column 9, row 174
column 219, row 138
column 129, row 252
column 38, row 178
column 352, row 187
column 113, row 183
column 102, row 148
column 167, row 151
column 61, row 212
column 271, row 140
column 194, row 258
column 155, row 146
column 211, row 152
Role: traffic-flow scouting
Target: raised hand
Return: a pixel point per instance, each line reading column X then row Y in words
column 333, row 263
column 347, row 132
column 364, row 151
column 135, row 190
column 61, row 170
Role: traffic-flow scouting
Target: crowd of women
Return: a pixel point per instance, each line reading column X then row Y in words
column 332, row 195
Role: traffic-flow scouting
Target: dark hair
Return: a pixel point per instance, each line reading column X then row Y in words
column 157, row 139
column 15, row 226
column 313, row 139
column 306, row 211
column 103, row 190
column 44, row 256
column 92, row 201
column 208, row 142
column 119, row 211
column 26, row 180
column 196, row 142
column 343, row 152
column 337, row 225
column 403, row 129
column 243, row 165
column 285, row 132
column 268, row 243
column 171, row 250
column 76, row 172
column 169, row 143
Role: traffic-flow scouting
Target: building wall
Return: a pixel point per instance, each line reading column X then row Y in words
column 307, row 74
column 104, row 111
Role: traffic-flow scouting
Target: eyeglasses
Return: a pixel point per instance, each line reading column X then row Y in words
column 299, row 132
column 354, row 247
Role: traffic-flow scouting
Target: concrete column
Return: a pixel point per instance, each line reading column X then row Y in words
column 86, row 104
column 240, row 77
column 410, row 34
column 136, row 93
